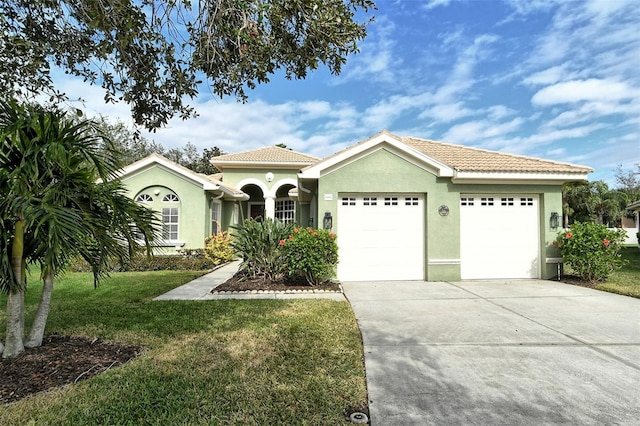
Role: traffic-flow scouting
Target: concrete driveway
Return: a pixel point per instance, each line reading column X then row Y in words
column 497, row 352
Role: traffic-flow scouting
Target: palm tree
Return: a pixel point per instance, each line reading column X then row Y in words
column 592, row 202
column 59, row 199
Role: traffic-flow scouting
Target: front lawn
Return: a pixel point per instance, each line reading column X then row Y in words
column 625, row 281
column 204, row 362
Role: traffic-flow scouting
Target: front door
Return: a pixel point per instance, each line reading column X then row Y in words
column 256, row 211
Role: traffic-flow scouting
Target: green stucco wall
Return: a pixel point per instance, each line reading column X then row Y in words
column 383, row 171
column 194, row 221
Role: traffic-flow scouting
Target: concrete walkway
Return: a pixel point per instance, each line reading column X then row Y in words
column 200, row 289
column 499, row 353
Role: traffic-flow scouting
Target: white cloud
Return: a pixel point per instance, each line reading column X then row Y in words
column 584, row 90
column 446, row 113
column 477, row 132
column 589, row 111
column 431, row 4
column 497, row 112
column 551, row 75
column 526, row 7
column 376, row 60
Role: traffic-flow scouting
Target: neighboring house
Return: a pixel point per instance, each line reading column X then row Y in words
column 635, row 207
column 403, row 208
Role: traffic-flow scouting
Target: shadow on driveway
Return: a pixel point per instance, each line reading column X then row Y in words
column 498, row 352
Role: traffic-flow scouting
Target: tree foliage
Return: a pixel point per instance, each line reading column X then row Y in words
column 132, row 147
column 52, row 207
column 593, row 202
column 151, row 53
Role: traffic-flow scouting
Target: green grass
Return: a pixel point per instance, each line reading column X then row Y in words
column 625, row 281
column 245, row 362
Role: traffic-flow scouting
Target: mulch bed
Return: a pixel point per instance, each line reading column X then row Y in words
column 239, row 282
column 60, row 360
column 573, row 280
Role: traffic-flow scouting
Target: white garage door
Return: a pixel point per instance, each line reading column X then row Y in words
column 499, row 236
column 380, row 237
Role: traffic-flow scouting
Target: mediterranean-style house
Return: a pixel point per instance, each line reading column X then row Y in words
column 403, row 208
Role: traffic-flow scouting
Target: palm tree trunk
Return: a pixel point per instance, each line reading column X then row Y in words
column 14, row 345
column 39, row 323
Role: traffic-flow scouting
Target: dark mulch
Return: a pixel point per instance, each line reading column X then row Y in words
column 60, row 360
column 239, row 282
column 574, row 280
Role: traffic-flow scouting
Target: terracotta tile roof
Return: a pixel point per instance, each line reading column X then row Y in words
column 267, row 155
column 463, row 158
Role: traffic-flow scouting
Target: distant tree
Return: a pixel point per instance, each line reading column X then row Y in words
column 203, row 163
column 126, row 141
column 151, row 53
column 629, row 183
column 282, row 145
column 592, row 202
column 133, row 147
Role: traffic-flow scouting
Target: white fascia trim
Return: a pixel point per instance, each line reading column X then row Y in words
column 515, row 177
column 155, row 159
column 259, row 164
column 233, row 194
column 444, row 261
column 354, row 152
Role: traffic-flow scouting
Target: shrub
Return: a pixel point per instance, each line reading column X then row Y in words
column 190, row 260
column 218, row 248
column 258, row 245
column 310, row 253
column 592, row 250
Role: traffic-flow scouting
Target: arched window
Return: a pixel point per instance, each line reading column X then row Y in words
column 144, row 198
column 170, row 198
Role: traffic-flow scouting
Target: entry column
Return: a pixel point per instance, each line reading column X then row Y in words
column 270, row 207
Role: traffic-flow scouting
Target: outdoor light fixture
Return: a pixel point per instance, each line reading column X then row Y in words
column 554, row 220
column 327, row 221
column 310, row 222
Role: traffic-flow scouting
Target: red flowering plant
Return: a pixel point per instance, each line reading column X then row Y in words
column 310, row 253
column 591, row 250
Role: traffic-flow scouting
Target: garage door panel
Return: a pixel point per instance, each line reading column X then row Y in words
column 499, row 236
column 373, row 241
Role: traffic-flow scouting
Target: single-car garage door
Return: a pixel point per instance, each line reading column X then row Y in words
column 380, row 237
column 499, row 236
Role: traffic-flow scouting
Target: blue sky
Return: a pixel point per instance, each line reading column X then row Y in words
column 551, row 79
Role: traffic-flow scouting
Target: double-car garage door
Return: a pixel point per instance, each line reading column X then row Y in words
column 382, row 236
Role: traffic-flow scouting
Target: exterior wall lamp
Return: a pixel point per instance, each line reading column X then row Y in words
column 327, row 220
column 554, row 220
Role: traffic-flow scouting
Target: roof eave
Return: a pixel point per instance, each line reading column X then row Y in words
column 540, row 178
column 259, row 164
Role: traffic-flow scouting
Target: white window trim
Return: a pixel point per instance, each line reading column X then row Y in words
column 216, row 206
column 283, row 200
column 177, row 225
